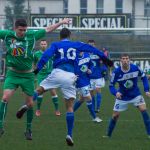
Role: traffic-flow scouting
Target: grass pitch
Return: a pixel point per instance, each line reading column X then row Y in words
column 49, row 131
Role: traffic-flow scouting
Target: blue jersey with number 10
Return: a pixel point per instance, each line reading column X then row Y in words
column 65, row 53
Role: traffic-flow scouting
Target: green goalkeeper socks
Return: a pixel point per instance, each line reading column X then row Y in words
column 39, row 102
column 3, row 109
column 55, row 102
column 29, row 118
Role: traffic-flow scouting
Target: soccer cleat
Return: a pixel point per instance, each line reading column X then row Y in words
column 69, row 140
column 1, row 131
column 21, row 111
column 38, row 113
column 28, row 134
column 97, row 119
column 106, row 136
column 97, row 111
column 57, row 113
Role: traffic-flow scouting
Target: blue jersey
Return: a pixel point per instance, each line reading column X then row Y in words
column 99, row 67
column 83, row 63
column 128, row 82
column 64, row 54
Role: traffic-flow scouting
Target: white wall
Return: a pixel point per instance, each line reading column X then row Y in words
column 91, row 7
column 109, row 6
column 74, row 7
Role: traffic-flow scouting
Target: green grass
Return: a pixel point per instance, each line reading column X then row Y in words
column 49, row 131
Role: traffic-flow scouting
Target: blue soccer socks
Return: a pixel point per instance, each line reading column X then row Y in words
column 70, row 122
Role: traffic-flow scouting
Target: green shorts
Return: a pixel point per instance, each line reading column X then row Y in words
column 24, row 80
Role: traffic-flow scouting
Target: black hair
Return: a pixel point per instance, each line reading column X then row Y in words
column 91, row 41
column 65, row 33
column 21, row 22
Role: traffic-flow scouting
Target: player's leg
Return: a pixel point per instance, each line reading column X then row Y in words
column 92, row 91
column 69, row 120
column 89, row 105
column 112, row 123
column 141, row 105
column 99, row 84
column 39, row 103
column 3, row 107
column 55, row 101
column 27, row 86
column 119, row 106
column 10, row 85
column 78, row 102
column 98, row 99
column 30, row 112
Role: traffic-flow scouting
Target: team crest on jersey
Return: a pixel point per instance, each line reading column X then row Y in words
column 128, row 84
column 84, row 68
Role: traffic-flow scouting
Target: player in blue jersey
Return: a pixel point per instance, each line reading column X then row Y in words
column 128, row 92
column 97, row 80
column 63, row 75
column 83, row 69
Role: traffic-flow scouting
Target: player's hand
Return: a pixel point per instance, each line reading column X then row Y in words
column 118, row 95
column 89, row 71
column 147, row 94
column 108, row 62
column 36, row 71
column 66, row 21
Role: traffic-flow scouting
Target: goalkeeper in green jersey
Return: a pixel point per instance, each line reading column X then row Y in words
column 42, row 75
column 19, row 62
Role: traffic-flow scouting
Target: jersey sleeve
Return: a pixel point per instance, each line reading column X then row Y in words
column 113, row 81
column 83, row 47
column 3, row 33
column 39, row 34
column 144, row 80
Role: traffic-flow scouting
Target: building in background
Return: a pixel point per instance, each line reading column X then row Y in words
column 138, row 9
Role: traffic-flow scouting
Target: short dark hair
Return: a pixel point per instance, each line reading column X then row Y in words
column 21, row 22
column 124, row 55
column 91, row 41
column 65, row 33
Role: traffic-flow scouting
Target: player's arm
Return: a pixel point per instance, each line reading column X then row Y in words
column 3, row 33
column 144, row 80
column 45, row 57
column 53, row 27
column 113, row 81
column 88, row 48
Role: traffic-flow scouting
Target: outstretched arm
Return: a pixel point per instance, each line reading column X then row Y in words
column 55, row 26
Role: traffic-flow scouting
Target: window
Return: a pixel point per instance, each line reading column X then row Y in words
column 99, row 6
column 119, row 6
column 65, row 6
column 42, row 10
column 83, row 6
column 147, row 8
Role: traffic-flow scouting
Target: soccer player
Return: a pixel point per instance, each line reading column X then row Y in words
column 128, row 92
column 19, row 59
column 63, row 74
column 82, row 70
column 97, row 80
column 42, row 75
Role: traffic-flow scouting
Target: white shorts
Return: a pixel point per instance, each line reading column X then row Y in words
column 97, row 83
column 63, row 80
column 84, row 91
column 121, row 105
